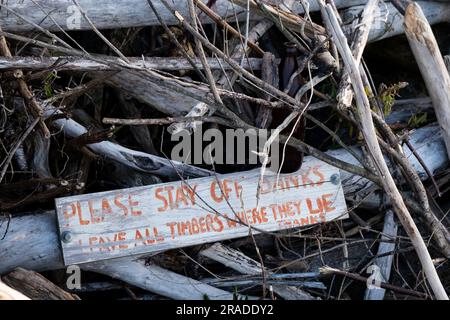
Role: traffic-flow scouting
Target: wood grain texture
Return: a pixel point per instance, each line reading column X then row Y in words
column 238, row 261
column 159, row 217
column 157, row 279
column 70, row 63
column 35, row 286
column 8, row 293
column 108, row 14
column 389, row 22
column 431, row 64
column 384, row 262
column 32, row 242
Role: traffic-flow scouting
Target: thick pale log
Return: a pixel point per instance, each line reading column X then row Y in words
column 431, row 64
column 162, row 99
column 105, row 14
column 159, row 97
column 109, row 14
column 158, row 280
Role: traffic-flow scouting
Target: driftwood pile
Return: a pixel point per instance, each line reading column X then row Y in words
column 91, row 92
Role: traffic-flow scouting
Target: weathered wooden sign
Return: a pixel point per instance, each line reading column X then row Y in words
column 178, row 214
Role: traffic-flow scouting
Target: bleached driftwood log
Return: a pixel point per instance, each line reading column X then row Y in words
column 108, row 14
column 431, row 64
column 134, row 159
column 69, row 63
column 159, row 97
column 158, row 280
column 236, row 260
column 389, row 22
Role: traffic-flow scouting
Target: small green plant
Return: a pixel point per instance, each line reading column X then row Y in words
column 418, row 120
column 387, row 95
column 48, row 83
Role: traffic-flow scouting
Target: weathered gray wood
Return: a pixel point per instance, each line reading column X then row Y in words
column 238, row 261
column 271, row 283
column 426, row 141
column 158, row 280
column 68, row 63
column 151, row 93
column 32, row 242
column 389, row 22
column 431, row 64
column 232, row 259
column 164, row 216
column 108, row 14
column 105, row 14
column 384, row 262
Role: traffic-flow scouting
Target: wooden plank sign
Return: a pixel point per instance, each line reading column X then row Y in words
column 158, row 217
